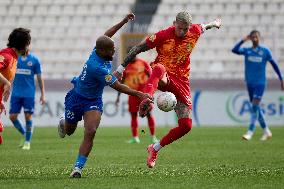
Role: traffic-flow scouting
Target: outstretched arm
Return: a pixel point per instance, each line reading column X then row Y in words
column 125, row 89
column 111, row 31
column 142, row 47
column 214, row 24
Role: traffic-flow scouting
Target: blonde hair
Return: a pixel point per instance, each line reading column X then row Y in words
column 184, row 16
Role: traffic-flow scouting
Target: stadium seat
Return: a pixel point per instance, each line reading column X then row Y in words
column 74, row 25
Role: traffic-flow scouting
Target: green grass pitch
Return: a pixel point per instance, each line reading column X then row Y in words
column 206, row 158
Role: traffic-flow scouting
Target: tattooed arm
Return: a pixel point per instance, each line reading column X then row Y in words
column 142, row 47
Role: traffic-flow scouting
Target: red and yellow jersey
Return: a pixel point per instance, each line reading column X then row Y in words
column 8, row 65
column 174, row 52
column 136, row 74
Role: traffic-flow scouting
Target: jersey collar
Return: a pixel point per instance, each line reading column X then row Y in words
column 99, row 59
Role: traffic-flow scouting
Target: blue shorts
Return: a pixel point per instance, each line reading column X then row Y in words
column 16, row 104
column 76, row 106
column 255, row 91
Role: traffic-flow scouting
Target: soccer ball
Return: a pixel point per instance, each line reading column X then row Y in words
column 166, row 101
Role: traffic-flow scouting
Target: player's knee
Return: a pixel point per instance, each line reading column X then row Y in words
column 134, row 115
column 159, row 70
column 13, row 117
column 90, row 131
column 185, row 124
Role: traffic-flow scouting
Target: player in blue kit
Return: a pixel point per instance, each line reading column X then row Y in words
column 85, row 99
column 23, row 95
column 256, row 58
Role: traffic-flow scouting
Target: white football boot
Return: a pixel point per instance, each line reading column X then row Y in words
column 76, row 173
column 248, row 135
column 26, row 146
column 60, row 127
column 266, row 135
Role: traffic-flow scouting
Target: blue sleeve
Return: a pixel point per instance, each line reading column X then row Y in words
column 37, row 68
column 238, row 50
column 103, row 74
column 276, row 68
column 273, row 63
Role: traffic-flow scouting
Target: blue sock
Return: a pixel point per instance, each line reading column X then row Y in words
column 80, row 162
column 253, row 118
column 261, row 119
column 29, row 130
column 17, row 124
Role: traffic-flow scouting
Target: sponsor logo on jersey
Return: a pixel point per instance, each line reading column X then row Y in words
column 30, row 63
column 152, row 38
column 24, row 71
column 255, row 59
column 189, row 47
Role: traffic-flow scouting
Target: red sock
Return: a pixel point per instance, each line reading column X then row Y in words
column 1, row 127
column 152, row 83
column 134, row 124
column 184, row 126
column 151, row 124
column 1, row 130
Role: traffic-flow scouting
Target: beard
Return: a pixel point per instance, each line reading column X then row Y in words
column 108, row 58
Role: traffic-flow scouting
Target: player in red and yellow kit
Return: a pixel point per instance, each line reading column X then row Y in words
column 135, row 76
column 170, row 72
column 18, row 44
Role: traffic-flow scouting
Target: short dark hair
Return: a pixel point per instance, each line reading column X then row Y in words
column 254, row 32
column 19, row 38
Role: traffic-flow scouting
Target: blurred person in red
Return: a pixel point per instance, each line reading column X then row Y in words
column 170, row 72
column 135, row 76
column 18, row 44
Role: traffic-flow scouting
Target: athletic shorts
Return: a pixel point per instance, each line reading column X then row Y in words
column 76, row 105
column 255, row 90
column 16, row 104
column 179, row 86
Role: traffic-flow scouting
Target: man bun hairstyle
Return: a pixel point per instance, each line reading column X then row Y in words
column 19, row 38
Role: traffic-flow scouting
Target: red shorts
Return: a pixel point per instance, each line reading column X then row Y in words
column 133, row 104
column 179, row 86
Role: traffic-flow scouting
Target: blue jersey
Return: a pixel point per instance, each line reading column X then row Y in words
column 24, row 82
column 95, row 76
column 255, row 63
